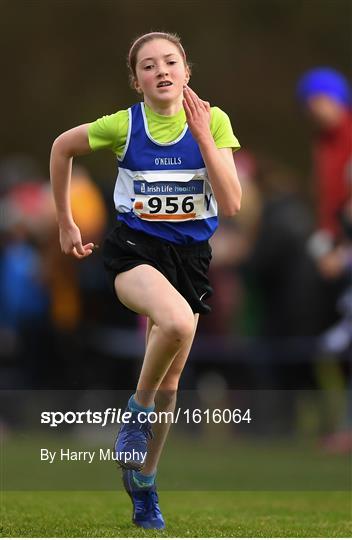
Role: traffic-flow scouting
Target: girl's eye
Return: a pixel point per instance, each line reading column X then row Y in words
column 172, row 62
column 148, row 67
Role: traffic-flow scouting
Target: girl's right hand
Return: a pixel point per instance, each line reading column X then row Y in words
column 71, row 242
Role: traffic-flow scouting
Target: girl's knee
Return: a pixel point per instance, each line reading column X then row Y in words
column 178, row 328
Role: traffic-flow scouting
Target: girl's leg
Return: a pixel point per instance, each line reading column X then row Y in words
column 145, row 290
column 165, row 400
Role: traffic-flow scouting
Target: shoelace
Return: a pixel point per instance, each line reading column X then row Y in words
column 150, row 501
column 153, row 502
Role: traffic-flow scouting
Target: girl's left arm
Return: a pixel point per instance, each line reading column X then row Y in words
column 218, row 161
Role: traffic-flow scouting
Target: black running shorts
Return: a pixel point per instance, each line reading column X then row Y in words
column 184, row 266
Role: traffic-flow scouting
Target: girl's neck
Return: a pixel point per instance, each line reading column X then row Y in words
column 165, row 109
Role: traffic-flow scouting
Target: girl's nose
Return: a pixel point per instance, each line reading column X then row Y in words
column 162, row 71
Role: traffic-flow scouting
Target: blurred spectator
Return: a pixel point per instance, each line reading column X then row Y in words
column 24, row 292
column 326, row 96
column 45, row 296
column 279, row 275
column 69, row 294
column 230, row 246
column 17, row 170
column 278, row 260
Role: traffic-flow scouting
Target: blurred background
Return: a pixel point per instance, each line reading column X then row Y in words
column 281, row 269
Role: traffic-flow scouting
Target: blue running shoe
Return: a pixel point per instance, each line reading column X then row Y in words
column 131, row 443
column 146, row 511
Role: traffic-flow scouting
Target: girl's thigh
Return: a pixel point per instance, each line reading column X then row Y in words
column 145, row 290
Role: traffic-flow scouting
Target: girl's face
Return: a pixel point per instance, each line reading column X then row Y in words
column 160, row 72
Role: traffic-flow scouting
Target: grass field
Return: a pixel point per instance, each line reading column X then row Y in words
column 189, row 464
column 244, row 488
column 197, row 514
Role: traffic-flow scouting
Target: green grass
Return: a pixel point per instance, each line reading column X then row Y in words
column 244, row 488
column 188, row 514
column 188, row 464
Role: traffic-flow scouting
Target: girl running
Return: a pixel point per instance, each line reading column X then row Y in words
column 175, row 168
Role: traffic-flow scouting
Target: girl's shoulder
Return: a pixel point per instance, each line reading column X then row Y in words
column 221, row 129
column 112, row 121
column 109, row 131
column 217, row 115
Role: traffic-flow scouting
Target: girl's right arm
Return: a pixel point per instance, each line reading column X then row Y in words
column 68, row 145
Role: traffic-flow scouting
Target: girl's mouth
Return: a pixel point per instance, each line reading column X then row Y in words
column 162, row 84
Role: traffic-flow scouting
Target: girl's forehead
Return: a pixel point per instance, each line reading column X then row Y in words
column 156, row 48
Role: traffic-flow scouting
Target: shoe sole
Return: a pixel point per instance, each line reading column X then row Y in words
column 146, row 528
column 130, row 465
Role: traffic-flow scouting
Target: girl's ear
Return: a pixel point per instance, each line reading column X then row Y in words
column 188, row 76
column 137, row 87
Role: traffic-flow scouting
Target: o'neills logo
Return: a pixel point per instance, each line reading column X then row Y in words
column 168, row 161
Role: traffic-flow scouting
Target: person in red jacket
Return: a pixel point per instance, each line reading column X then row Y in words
column 326, row 97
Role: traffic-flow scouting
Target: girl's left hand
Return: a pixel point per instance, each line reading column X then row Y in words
column 197, row 115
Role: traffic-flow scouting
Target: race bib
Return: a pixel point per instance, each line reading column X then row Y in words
column 164, row 200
